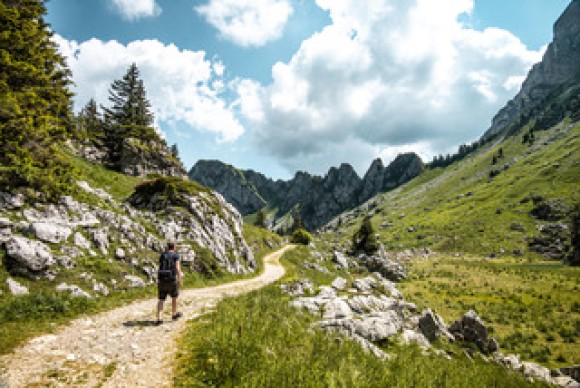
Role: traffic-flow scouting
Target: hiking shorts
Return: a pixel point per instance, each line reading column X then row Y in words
column 167, row 288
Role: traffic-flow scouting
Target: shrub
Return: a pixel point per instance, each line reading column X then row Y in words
column 365, row 239
column 301, row 236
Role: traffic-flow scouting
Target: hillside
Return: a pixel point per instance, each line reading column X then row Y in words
column 316, row 200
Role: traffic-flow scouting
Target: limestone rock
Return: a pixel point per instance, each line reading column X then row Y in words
column 432, row 326
column 51, row 232
column 28, row 257
column 339, row 284
column 134, row 281
column 340, row 259
column 411, row 336
column 80, row 241
column 16, row 288
column 74, row 290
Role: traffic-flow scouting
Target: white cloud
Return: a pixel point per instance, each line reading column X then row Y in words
column 247, row 22
column 182, row 85
column 388, row 74
column 136, row 9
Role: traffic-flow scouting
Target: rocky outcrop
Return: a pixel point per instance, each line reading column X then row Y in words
column 25, row 257
column 558, row 70
column 139, row 158
column 318, row 199
column 231, row 183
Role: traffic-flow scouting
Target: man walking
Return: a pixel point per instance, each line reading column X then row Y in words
column 169, row 279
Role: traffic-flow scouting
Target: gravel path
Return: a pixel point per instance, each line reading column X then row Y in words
column 121, row 347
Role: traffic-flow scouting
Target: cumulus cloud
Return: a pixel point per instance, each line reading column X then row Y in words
column 384, row 76
column 247, row 22
column 136, row 9
column 182, row 85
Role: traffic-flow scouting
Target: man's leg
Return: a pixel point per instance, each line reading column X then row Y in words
column 173, row 306
column 159, row 309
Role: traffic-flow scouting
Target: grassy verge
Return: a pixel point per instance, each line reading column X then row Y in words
column 257, row 339
column 532, row 308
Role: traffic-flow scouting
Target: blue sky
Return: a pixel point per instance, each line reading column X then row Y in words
column 281, row 85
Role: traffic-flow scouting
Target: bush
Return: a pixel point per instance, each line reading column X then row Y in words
column 301, row 236
column 365, row 239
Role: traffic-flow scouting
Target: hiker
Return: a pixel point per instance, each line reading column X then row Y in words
column 169, row 279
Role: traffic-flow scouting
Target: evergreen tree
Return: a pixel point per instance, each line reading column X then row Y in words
column 297, row 224
column 365, row 239
column 175, row 151
column 91, row 124
column 261, row 219
column 35, row 104
column 130, row 113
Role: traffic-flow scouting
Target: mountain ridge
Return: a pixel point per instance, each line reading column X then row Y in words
column 317, row 199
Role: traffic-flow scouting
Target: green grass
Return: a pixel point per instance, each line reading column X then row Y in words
column 461, row 209
column 532, row 308
column 258, row 339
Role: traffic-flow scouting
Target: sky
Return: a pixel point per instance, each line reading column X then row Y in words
column 279, row 86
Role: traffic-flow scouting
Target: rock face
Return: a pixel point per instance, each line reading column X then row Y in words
column 318, row 198
column 557, row 70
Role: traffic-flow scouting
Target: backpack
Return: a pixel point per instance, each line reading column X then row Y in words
column 167, row 271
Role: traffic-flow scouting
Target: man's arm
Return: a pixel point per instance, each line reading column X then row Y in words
column 179, row 273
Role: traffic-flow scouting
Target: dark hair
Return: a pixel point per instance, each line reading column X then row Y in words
column 170, row 245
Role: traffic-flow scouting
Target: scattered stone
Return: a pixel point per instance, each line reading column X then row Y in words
column 120, row 254
column 101, row 288
column 340, row 259
column 339, row 284
column 16, row 288
column 74, row 290
column 472, row 329
column 364, row 284
column 316, row 267
column 66, row 262
column 411, row 336
column 298, row 288
column 134, row 281
column 80, row 241
column 533, row 371
column 101, row 239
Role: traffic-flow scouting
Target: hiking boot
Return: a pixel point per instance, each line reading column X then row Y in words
column 158, row 322
column 176, row 316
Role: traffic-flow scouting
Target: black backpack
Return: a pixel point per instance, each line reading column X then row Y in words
column 167, row 271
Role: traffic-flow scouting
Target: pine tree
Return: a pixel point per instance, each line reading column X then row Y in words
column 130, row 113
column 35, row 104
column 297, row 223
column 364, row 239
column 261, row 219
column 91, row 124
column 175, row 151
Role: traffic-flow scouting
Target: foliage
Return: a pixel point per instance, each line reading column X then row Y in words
column 301, row 236
column 296, row 220
column 169, row 187
column 35, row 104
column 365, row 240
column 90, row 122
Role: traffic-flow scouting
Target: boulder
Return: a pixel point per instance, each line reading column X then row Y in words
column 80, row 241
column 16, row 288
column 28, row 257
column 534, row 371
column 472, row 329
column 340, row 259
column 120, row 254
column 74, row 290
column 51, row 232
column 411, row 336
column 101, row 239
column 389, row 269
column 364, row 284
column 298, row 288
column 432, row 326
column 339, row 284
column 370, row 304
column 66, row 262
column 100, row 288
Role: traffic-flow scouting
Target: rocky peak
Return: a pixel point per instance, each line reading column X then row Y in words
column 560, row 67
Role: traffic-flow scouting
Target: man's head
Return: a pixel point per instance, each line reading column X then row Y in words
column 170, row 245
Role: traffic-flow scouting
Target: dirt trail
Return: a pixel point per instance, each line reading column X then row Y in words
column 121, row 347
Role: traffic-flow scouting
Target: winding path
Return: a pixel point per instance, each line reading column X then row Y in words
column 121, row 347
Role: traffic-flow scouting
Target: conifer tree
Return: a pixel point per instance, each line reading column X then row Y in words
column 35, row 104
column 129, row 115
column 364, row 239
column 90, row 121
column 261, row 219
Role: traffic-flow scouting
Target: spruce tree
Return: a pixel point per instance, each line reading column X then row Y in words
column 129, row 115
column 35, row 104
column 364, row 239
column 90, row 122
column 261, row 219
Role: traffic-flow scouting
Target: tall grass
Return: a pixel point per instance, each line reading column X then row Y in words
column 259, row 340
